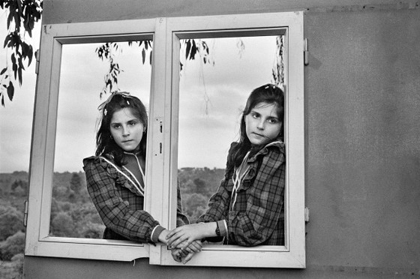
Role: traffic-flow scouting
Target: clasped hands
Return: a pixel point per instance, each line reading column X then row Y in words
column 185, row 241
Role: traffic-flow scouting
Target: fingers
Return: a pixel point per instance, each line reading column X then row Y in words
column 194, row 247
column 187, row 252
column 177, row 240
column 187, row 258
column 171, row 233
column 172, row 238
column 177, row 255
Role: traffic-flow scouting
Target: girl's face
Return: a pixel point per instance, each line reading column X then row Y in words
column 126, row 129
column 262, row 124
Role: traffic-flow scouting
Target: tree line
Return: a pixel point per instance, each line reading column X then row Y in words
column 72, row 212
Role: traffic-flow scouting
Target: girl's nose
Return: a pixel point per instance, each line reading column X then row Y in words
column 126, row 131
column 260, row 125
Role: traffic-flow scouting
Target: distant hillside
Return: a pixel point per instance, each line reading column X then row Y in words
column 70, row 197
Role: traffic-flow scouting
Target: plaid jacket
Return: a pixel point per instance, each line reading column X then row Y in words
column 120, row 204
column 257, row 217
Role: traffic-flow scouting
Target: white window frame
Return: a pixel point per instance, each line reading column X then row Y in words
column 292, row 254
column 38, row 241
column 161, row 160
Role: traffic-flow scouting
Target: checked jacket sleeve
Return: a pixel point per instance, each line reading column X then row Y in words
column 257, row 216
column 119, row 205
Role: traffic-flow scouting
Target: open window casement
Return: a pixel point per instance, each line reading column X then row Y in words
column 54, row 38
column 289, row 25
column 162, row 153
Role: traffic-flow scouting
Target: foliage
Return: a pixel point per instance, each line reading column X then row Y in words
column 197, row 186
column 13, row 245
column 62, row 225
column 278, row 67
column 76, row 183
column 22, row 16
column 194, row 205
column 74, row 215
column 20, row 187
column 107, row 51
column 10, row 221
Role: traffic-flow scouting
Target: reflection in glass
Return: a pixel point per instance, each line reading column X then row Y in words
column 81, row 84
column 213, row 91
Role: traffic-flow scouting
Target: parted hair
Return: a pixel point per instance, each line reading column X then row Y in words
column 105, row 144
column 270, row 94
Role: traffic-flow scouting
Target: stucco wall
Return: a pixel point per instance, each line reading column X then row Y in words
column 362, row 99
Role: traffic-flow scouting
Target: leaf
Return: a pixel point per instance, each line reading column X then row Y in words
column 6, row 41
column 9, row 18
column 20, row 76
column 3, row 71
column 143, row 55
column 188, row 49
column 30, row 55
column 10, row 91
column 151, row 57
column 193, row 50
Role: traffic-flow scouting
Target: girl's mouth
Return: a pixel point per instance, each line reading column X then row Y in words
column 258, row 135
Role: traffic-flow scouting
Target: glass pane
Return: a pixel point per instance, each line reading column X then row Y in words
column 213, row 92
column 81, row 92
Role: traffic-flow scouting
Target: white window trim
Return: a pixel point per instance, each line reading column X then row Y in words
column 38, row 241
column 162, row 166
column 292, row 255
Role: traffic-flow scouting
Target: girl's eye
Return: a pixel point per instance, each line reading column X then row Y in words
column 273, row 121
column 116, row 126
column 255, row 115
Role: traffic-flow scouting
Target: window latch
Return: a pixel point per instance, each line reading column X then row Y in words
column 159, row 124
column 306, row 53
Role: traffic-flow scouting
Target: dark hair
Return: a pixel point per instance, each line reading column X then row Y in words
column 270, row 94
column 105, row 144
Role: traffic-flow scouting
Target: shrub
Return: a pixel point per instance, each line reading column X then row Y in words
column 11, row 221
column 13, row 245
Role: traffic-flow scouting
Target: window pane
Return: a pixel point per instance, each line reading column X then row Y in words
column 81, row 83
column 213, row 92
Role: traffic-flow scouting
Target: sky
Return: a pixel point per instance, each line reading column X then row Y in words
column 16, row 116
column 211, row 99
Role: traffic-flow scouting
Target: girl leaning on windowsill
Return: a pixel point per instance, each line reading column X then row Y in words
column 115, row 175
column 248, row 208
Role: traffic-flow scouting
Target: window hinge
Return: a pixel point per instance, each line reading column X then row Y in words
column 25, row 213
column 306, row 215
column 306, row 53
